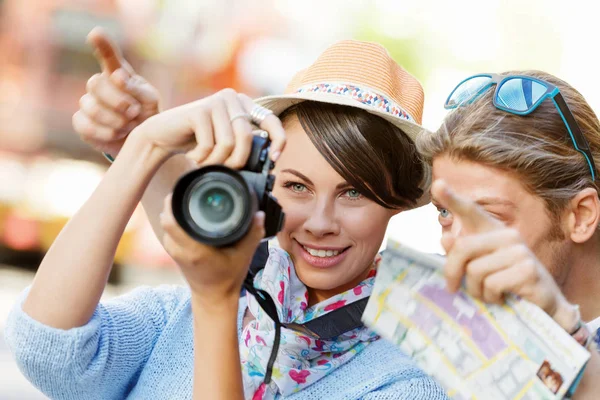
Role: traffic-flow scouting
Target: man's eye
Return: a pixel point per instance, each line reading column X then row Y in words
column 444, row 213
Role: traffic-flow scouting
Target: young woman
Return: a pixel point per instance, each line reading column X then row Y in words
column 349, row 165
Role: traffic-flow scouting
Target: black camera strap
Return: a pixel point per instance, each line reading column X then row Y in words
column 266, row 302
column 335, row 323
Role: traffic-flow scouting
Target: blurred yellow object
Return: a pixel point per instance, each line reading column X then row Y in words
column 59, row 189
column 45, row 194
column 50, row 228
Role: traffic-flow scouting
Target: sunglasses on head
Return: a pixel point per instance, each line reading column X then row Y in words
column 521, row 95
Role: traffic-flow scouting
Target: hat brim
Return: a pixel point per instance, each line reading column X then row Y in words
column 279, row 103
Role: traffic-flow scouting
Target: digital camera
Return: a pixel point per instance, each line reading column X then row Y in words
column 215, row 205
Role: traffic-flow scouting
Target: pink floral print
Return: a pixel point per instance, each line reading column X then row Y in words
column 302, row 359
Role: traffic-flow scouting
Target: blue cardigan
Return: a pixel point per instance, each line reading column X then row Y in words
column 140, row 346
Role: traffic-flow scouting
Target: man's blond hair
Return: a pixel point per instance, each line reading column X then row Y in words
column 536, row 148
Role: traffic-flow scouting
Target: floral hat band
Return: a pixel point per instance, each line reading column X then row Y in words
column 361, row 94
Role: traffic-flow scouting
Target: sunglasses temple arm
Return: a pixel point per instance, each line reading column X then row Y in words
column 579, row 141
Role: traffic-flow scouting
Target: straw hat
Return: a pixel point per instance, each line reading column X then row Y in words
column 362, row 75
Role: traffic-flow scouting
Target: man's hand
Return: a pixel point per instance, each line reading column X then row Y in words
column 494, row 260
column 116, row 100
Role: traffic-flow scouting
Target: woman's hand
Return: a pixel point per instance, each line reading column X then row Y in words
column 116, row 100
column 494, row 260
column 213, row 130
column 215, row 276
column 213, row 273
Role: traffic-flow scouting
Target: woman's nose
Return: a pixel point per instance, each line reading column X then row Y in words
column 322, row 221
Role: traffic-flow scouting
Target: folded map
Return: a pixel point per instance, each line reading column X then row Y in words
column 474, row 350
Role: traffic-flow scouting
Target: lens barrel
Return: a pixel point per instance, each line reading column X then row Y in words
column 214, row 205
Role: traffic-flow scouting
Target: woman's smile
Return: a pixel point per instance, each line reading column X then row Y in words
column 320, row 256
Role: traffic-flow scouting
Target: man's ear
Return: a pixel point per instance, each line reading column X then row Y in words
column 583, row 215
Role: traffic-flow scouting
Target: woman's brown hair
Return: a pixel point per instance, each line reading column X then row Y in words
column 371, row 154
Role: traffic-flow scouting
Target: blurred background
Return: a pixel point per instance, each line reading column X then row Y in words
column 191, row 48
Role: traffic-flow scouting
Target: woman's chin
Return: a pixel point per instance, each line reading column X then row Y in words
column 317, row 279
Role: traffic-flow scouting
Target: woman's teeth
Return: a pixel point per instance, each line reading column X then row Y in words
column 321, row 253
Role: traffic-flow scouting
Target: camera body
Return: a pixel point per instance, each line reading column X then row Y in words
column 215, row 205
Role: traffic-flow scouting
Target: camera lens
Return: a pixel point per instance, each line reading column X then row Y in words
column 216, row 204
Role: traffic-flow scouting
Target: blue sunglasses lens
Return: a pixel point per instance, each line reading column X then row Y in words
column 468, row 90
column 520, row 94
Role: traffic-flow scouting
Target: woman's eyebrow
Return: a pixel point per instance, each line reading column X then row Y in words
column 343, row 185
column 298, row 174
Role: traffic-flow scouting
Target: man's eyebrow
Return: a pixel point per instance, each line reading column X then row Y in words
column 495, row 201
column 485, row 201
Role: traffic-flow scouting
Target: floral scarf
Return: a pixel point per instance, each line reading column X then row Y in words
column 302, row 359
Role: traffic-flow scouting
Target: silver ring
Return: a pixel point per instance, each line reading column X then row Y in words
column 258, row 114
column 262, row 133
column 240, row 115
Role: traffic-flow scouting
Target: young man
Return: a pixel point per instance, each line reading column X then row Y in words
column 534, row 172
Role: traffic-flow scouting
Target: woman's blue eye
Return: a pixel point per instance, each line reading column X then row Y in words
column 444, row 213
column 298, row 187
column 353, row 193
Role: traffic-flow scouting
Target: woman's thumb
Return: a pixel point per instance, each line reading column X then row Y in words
column 255, row 234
